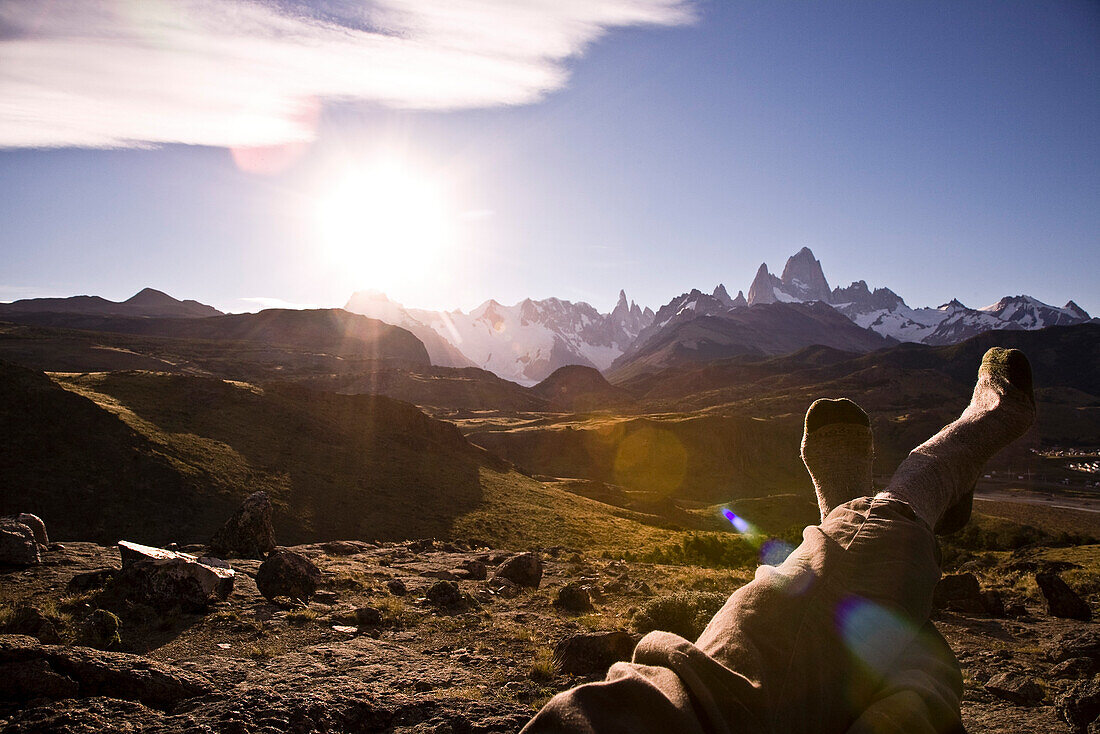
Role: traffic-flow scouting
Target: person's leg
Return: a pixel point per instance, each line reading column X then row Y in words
column 805, row 646
column 937, row 478
column 837, row 450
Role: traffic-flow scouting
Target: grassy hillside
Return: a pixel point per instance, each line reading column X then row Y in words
column 158, row 457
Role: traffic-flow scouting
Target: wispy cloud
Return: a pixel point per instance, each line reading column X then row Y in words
column 107, row 73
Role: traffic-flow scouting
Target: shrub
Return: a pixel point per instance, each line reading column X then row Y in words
column 685, row 613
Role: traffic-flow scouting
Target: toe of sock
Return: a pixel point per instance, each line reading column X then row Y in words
column 825, row 412
column 1010, row 365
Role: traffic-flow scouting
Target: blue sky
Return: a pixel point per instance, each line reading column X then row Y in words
column 941, row 149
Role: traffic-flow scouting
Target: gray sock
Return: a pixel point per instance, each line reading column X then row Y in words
column 940, row 472
column 837, row 451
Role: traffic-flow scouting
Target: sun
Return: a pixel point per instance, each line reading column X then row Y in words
column 385, row 222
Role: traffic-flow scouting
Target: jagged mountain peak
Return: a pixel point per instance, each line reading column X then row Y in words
column 722, row 294
column 803, row 277
column 739, row 301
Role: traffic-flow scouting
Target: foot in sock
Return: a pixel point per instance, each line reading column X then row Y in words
column 837, row 450
column 937, row 478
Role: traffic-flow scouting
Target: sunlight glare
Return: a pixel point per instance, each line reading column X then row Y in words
column 384, row 222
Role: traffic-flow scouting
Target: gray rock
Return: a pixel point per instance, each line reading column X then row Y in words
column 593, row 653
column 164, row 579
column 1080, row 705
column 34, row 522
column 17, row 544
column 248, row 532
column 1062, row 601
column 522, row 569
column 286, row 573
column 573, row 598
column 1015, row 687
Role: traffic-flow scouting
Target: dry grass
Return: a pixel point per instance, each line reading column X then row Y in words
column 542, row 665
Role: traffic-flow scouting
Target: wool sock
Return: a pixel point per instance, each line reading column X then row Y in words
column 938, row 477
column 837, row 450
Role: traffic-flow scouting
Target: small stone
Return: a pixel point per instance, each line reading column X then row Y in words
column 248, row 532
column 573, row 598
column 346, row 629
column 397, row 587
column 224, row 645
column 286, row 573
column 522, row 569
column 1062, row 601
column 1015, row 687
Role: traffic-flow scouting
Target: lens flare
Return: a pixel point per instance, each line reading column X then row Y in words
column 739, row 523
column 874, row 634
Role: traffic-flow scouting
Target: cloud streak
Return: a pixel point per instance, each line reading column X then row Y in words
column 124, row 73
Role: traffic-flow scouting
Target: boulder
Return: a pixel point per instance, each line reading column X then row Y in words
column 522, row 569
column 1015, row 687
column 397, row 587
column 17, row 544
column 368, row 617
column 593, row 653
column 959, row 592
column 573, row 598
column 29, row 671
column 1062, row 601
column 248, row 532
column 164, row 579
column 286, row 573
column 445, row 594
column 34, row 522
column 1079, row 706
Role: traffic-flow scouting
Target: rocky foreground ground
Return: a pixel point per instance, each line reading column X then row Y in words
column 424, row 636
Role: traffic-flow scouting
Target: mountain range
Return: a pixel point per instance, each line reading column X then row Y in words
column 524, row 343
column 530, row 340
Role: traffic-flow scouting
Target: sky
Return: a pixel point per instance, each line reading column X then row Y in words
column 250, row 154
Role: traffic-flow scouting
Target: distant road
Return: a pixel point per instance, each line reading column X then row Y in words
column 1030, row 498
